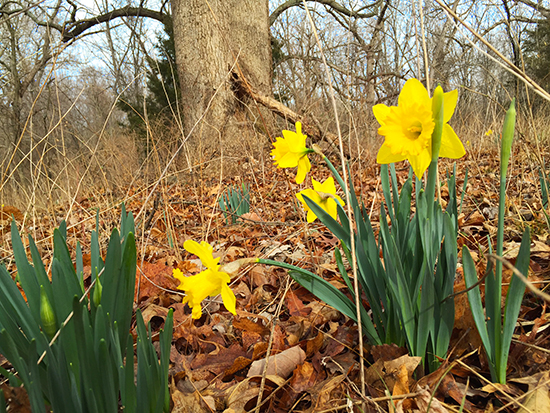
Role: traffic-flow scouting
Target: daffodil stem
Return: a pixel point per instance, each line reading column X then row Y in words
column 506, row 147
column 430, row 187
column 438, row 112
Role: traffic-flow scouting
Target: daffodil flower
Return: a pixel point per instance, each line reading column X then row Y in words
column 291, row 151
column 209, row 282
column 408, row 128
column 324, row 195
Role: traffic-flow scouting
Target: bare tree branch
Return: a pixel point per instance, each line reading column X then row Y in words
column 537, row 6
column 74, row 29
column 330, row 3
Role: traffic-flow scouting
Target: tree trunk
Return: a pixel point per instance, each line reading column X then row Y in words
column 213, row 39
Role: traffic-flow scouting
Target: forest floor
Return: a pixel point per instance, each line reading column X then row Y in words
column 315, row 348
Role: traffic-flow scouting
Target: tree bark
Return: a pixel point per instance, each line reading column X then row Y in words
column 214, row 39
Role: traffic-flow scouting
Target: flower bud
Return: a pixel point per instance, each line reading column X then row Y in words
column 507, row 138
column 437, row 110
column 47, row 315
column 96, row 297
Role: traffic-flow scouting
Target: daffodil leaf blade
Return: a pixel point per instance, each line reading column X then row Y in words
column 385, row 181
column 426, row 316
column 400, row 289
column 326, row 292
column 342, row 216
column 371, row 271
column 342, row 269
column 515, row 297
column 394, row 189
column 474, row 297
column 337, row 229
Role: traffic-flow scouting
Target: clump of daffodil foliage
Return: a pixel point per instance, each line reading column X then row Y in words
column 407, row 271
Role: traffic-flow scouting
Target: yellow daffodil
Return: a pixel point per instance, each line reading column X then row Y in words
column 324, row 195
column 209, row 282
column 408, row 128
column 291, row 151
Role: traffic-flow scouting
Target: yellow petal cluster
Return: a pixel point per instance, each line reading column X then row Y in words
column 209, row 282
column 324, row 195
column 408, row 128
column 291, row 151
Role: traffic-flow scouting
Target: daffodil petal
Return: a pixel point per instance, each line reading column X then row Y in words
column 229, row 299
column 311, row 216
column 414, row 91
column 317, row 186
column 451, row 146
column 304, row 166
column 289, row 160
column 421, row 162
column 178, row 275
column 196, row 311
column 299, row 129
column 203, row 251
column 331, row 208
column 385, row 155
column 449, row 104
column 307, row 192
column 314, row 196
column 327, row 186
column 381, row 112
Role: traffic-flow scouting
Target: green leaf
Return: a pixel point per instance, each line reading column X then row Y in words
column 326, row 292
column 516, row 290
column 342, row 269
column 474, row 297
column 15, row 313
column 165, row 344
column 384, row 179
column 335, row 298
column 26, row 273
column 333, row 226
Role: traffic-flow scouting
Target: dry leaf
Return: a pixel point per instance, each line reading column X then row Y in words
column 303, row 378
column 537, row 398
column 426, row 402
column 154, row 310
column 243, row 396
column 17, row 399
column 7, row 211
column 383, row 374
column 402, row 385
column 295, row 306
column 323, row 396
column 186, row 403
column 282, row 364
column 157, row 274
column 250, row 326
column 252, row 216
